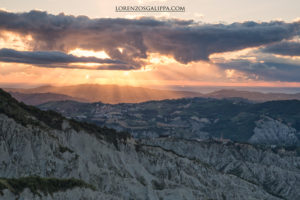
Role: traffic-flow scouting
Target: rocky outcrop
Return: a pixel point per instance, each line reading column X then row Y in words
column 276, row 170
column 132, row 172
column 270, row 131
column 76, row 193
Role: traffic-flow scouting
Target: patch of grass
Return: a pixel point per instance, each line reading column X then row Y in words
column 142, row 180
column 158, row 186
column 64, row 149
column 38, row 184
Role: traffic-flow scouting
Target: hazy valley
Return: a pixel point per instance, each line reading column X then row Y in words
column 275, row 122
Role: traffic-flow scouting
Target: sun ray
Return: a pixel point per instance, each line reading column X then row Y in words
column 89, row 53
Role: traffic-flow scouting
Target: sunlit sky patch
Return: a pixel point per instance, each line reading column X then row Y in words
column 232, row 43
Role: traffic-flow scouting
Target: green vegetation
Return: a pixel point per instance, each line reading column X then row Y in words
column 108, row 134
column 236, row 171
column 64, row 149
column 286, row 111
column 38, row 184
column 29, row 115
column 158, row 186
column 234, row 119
column 142, row 180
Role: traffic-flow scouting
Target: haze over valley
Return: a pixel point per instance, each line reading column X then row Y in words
column 114, row 94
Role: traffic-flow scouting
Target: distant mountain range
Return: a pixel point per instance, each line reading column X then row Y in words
column 252, row 96
column 40, row 98
column 114, row 94
column 109, row 93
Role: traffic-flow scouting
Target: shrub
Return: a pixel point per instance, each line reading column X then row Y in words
column 38, row 184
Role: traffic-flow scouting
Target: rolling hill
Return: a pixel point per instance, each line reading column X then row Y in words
column 273, row 122
column 109, row 93
column 252, row 96
column 115, row 94
column 40, row 98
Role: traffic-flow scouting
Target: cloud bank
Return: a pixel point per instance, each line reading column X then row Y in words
column 57, row 59
column 284, row 48
column 186, row 41
column 267, row 71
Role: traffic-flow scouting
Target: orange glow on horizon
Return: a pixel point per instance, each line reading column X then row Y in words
column 159, row 70
column 175, row 75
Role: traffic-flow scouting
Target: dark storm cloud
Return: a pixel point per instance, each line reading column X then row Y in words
column 268, row 71
column 57, row 59
column 186, row 41
column 284, row 48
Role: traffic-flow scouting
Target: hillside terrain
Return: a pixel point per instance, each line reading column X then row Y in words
column 47, row 156
column 252, row 96
column 273, row 123
column 40, row 98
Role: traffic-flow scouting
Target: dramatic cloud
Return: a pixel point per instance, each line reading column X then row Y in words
column 130, row 42
column 58, row 59
column 284, row 48
column 268, row 71
column 186, row 41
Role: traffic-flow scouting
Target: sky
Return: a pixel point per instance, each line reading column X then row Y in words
column 213, row 43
